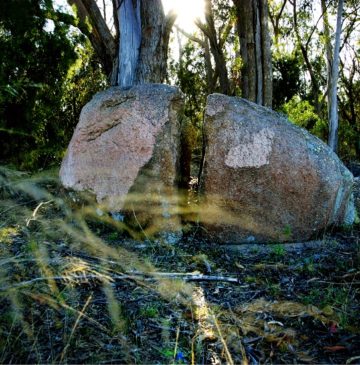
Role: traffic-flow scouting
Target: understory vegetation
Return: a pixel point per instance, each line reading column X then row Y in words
column 77, row 288
column 49, row 71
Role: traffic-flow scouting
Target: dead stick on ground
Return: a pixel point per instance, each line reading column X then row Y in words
column 187, row 276
column 130, row 276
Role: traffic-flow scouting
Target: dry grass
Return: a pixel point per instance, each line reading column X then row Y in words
column 76, row 287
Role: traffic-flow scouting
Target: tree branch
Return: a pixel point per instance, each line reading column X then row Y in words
column 99, row 35
column 170, row 20
column 203, row 28
column 68, row 19
column 190, row 36
column 116, row 19
column 315, row 27
column 224, row 35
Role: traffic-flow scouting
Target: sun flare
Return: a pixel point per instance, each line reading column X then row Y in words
column 187, row 11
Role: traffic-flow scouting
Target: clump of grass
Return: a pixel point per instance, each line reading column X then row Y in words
column 334, row 299
column 278, row 250
column 57, row 275
column 149, row 311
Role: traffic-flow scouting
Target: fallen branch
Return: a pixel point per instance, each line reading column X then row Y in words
column 333, row 282
column 86, row 278
column 187, row 276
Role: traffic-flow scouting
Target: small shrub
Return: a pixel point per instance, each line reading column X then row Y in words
column 278, row 250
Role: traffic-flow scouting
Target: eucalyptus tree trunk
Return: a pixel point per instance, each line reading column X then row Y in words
column 245, row 16
column 334, row 75
column 137, row 53
column 253, row 32
column 144, row 41
column 305, row 51
column 129, row 16
column 266, row 54
column 156, row 29
column 327, row 37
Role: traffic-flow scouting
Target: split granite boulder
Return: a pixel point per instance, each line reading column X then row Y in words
column 265, row 179
column 125, row 150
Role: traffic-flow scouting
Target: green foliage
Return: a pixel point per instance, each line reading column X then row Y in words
column 333, row 298
column 349, row 128
column 35, row 120
column 278, row 250
column 286, row 78
column 274, row 289
column 33, row 62
column 189, row 74
column 302, row 113
column 84, row 79
column 287, row 232
column 149, row 311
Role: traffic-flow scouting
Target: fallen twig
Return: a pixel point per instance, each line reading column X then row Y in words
column 188, row 276
column 33, row 217
column 333, row 282
column 349, row 361
column 126, row 276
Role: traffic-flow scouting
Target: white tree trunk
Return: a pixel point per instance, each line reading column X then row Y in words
column 130, row 41
column 259, row 58
column 267, row 58
column 333, row 104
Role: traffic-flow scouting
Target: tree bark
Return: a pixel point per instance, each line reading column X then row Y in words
column 328, row 47
column 258, row 55
column 267, row 58
column 245, row 16
column 210, row 73
column 253, row 33
column 130, row 39
column 333, row 102
column 138, row 52
column 155, row 37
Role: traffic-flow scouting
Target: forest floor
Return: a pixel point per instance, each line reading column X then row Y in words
column 75, row 289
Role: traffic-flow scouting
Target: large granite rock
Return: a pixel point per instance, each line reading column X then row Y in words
column 266, row 180
column 125, row 150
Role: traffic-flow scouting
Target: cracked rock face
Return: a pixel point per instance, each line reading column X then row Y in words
column 126, row 144
column 266, row 180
